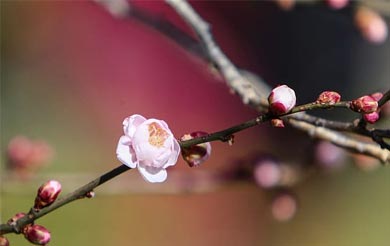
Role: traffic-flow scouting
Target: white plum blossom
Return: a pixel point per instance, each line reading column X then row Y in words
column 149, row 145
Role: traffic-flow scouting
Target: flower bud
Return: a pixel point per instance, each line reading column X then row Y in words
column 277, row 123
column 4, row 241
column 377, row 96
column 364, row 104
column 328, row 97
column 90, row 194
column 371, row 117
column 15, row 218
column 196, row 154
column 37, row 234
column 281, row 100
column 47, row 194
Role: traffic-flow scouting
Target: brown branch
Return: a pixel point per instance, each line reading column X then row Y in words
column 344, row 141
column 75, row 195
column 245, row 89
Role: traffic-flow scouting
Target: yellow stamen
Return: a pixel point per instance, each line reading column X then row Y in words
column 157, row 135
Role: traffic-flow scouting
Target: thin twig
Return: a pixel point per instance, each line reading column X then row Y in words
column 245, row 89
column 344, row 141
column 75, row 195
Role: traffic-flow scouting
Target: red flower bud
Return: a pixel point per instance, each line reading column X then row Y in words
column 4, row 241
column 47, row 194
column 196, row 154
column 364, row 104
column 281, row 100
column 328, row 97
column 371, row 117
column 37, row 234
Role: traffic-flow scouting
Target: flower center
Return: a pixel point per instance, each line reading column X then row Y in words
column 157, row 135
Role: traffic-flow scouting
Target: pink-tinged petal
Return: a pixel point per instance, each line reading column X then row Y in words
column 281, row 100
column 131, row 123
column 152, row 174
column 174, row 155
column 125, row 152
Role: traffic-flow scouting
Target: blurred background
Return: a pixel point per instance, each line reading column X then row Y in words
column 71, row 72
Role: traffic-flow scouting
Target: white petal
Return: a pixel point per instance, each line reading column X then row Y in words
column 153, row 175
column 174, row 155
column 131, row 123
column 125, row 153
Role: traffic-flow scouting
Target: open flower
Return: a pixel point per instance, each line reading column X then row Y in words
column 148, row 145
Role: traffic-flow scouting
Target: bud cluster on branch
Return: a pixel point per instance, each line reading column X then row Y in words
column 149, row 145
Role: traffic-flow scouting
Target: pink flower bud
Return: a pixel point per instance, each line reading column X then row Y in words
column 281, row 100
column 4, row 241
column 47, row 194
column 377, row 96
column 196, row 154
column 277, row 123
column 37, row 234
column 371, row 117
column 15, row 218
column 364, row 104
column 328, row 97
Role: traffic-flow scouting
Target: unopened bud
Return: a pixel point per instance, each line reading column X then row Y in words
column 90, row 194
column 4, row 241
column 47, row 194
column 37, row 234
column 277, row 123
column 371, row 117
column 377, row 96
column 364, row 104
column 196, row 154
column 281, row 100
column 15, row 218
column 328, row 97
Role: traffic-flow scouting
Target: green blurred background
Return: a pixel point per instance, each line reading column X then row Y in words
column 70, row 73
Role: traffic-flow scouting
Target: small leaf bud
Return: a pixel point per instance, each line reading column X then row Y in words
column 277, row 123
